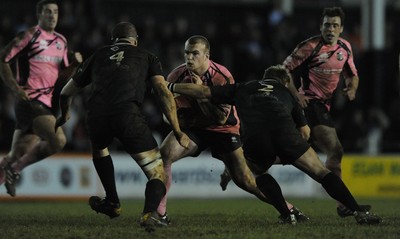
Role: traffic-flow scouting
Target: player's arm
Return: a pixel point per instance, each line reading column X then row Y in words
column 191, row 90
column 217, row 112
column 168, row 107
column 351, row 87
column 69, row 71
column 66, row 96
column 293, row 63
column 6, row 73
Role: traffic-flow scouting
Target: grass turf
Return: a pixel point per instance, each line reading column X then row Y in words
column 194, row 218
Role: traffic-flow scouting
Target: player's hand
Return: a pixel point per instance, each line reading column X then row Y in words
column 78, row 57
column 196, row 78
column 303, row 100
column 350, row 93
column 305, row 132
column 183, row 139
column 22, row 95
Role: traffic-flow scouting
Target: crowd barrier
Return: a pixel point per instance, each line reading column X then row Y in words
column 72, row 176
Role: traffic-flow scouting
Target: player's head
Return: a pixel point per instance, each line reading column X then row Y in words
column 279, row 73
column 197, row 53
column 333, row 12
column 125, row 30
column 47, row 14
column 331, row 25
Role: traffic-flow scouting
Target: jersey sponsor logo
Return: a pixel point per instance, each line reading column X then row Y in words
column 43, row 44
column 54, row 59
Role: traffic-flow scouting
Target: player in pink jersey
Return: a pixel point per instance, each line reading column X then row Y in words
column 39, row 55
column 208, row 125
column 320, row 61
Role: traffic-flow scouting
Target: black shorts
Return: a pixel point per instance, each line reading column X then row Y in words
column 219, row 143
column 285, row 143
column 317, row 113
column 26, row 111
column 130, row 128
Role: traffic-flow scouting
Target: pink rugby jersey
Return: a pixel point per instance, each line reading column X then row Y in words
column 39, row 57
column 216, row 75
column 322, row 73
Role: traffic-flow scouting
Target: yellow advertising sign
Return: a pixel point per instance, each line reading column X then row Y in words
column 372, row 176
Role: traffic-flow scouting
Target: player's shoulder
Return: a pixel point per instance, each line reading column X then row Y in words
column 345, row 42
column 61, row 36
column 28, row 33
column 219, row 67
column 310, row 43
column 176, row 72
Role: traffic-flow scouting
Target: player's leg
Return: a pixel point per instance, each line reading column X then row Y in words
column 52, row 141
column 244, row 178
column 334, row 186
column 21, row 143
column 225, row 179
column 172, row 151
column 269, row 186
column 152, row 165
column 241, row 175
column 110, row 205
column 326, row 139
column 101, row 135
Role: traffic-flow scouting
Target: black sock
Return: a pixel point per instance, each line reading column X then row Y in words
column 105, row 169
column 335, row 187
column 268, row 186
column 155, row 191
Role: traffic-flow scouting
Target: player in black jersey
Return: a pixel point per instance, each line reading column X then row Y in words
column 118, row 75
column 269, row 114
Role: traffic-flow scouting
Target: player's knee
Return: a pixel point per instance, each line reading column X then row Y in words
column 60, row 143
column 339, row 152
column 166, row 155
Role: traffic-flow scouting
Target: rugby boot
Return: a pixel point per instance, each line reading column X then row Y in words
column 343, row 211
column 105, row 206
column 12, row 178
column 300, row 216
column 363, row 217
column 291, row 219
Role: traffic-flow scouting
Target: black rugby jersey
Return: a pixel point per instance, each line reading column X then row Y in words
column 119, row 75
column 262, row 105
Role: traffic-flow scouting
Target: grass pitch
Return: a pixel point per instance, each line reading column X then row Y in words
column 194, row 218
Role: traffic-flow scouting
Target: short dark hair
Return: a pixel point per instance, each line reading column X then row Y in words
column 199, row 39
column 124, row 30
column 277, row 72
column 41, row 3
column 333, row 12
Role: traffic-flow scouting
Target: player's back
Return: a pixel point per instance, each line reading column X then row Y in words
column 119, row 74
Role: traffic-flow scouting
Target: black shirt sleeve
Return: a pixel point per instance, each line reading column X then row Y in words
column 298, row 115
column 82, row 76
column 223, row 94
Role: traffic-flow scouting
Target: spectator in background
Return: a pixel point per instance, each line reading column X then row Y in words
column 40, row 54
column 320, row 61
